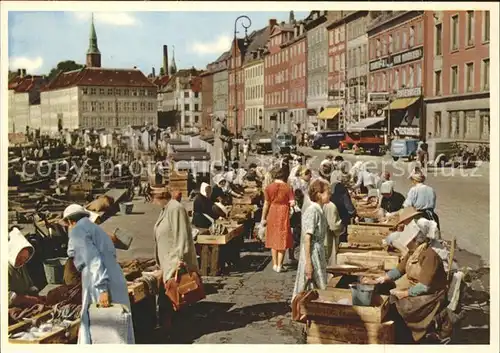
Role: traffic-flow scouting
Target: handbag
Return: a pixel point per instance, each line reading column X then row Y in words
column 184, row 288
column 112, row 325
column 296, row 301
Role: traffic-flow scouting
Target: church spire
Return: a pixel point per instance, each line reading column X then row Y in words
column 173, row 67
column 93, row 53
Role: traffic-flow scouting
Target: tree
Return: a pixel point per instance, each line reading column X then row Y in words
column 162, row 71
column 64, row 66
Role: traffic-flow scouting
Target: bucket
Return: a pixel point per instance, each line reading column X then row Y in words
column 126, row 207
column 362, row 294
column 54, row 270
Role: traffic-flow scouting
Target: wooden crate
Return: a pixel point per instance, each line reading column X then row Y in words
column 234, row 231
column 341, row 332
column 366, row 234
column 60, row 336
column 137, row 291
column 369, row 259
column 245, row 200
column 326, row 307
column 210, row 260
column 358, row 247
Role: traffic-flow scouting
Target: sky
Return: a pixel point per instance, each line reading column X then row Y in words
column 39, row 40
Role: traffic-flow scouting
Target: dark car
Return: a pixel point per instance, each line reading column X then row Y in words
column 331, row 139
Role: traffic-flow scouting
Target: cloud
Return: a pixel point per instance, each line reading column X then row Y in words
column 111, row 18
column 32, row 65
column 218, row 46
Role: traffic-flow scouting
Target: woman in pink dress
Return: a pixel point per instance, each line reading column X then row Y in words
column 279, row 198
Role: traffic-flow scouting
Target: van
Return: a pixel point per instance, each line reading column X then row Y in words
column 331, row 139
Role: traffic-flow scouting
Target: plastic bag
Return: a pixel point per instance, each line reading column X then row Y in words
column 261, row 234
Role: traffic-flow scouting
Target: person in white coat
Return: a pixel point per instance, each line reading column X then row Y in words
column 94, row 255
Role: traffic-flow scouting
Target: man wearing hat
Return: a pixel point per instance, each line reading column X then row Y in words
column 422, row 197
column 94, row 255
column 390, row 201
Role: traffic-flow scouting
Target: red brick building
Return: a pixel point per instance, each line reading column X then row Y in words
column 207, row 96
column 236, row 101
column 276, row 77
column 457, row 80
column 396, row 66
column 337, row 71
column 297, row 71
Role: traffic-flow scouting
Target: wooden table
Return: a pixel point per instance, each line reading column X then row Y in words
column 215, row 249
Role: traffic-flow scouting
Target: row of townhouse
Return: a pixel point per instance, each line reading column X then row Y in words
column 414, row 72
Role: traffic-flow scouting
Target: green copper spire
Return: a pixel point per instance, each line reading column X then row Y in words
column 173, row 66
column 93, row 49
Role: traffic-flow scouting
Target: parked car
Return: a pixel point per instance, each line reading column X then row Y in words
column 404, row 148
column 367, row 140
column 330, row 139
column 249, row 131
column 441, row 151
column 286, row 143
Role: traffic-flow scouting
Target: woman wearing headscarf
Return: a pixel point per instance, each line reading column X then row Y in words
column 311, row 271
column 279, row 198
column 174, row 245
column 365, row 180
column 94, row 255
column 22, row 290
column 342, row 200
column 422, row 197
column 221, row 189
column 421, row 283
column 204, row 214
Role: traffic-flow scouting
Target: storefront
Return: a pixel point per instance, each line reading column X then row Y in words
column 332, row 117
column 405, row 113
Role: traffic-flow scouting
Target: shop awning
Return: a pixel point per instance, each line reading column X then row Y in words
column 328, row 113
column 402, row 103
column 365, row 123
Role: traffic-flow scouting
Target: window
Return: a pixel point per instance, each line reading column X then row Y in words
column 455, row 127
column 378, row 48
column 486, row 26
column 196, row 119
column 411, row 78
column 454, row 32
column 85, row 91
column 405, row 40
column 384, row 47
column 454, row 79
column 397, row 47
column 396, row 79
column 337, row 63
column 93, row 91
column 196, row 107
column 186, row 94
column 118, row 92
column 484, row 116
column 110, row 106
column 384, row 81
column 93, row 106
column 437, row 124
column 412, row 36
column 101, row 91
column 85, row 106
column 134, row 106
column 391, row 44
column 470, row 28
column 330, row 64
column 126, row 92
column 143, row 106
column 110, row 91
column 470, row 126
column 196, row 94
column 419, row 76
column 186, row 107
column 403, row 77
column 485, row 75
column 439, row 39
column 469, row 77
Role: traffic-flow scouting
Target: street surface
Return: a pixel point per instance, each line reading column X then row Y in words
column 251, row 304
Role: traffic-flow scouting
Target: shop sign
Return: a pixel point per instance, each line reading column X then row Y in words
column 378, row 97
column 410, row 55
column 409, row 92
column 380, row 64
column 408, row 131
column 335, row 94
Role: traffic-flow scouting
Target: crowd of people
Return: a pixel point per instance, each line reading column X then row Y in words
column 299, row 208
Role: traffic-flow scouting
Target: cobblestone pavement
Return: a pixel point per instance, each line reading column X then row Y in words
column 251, row 305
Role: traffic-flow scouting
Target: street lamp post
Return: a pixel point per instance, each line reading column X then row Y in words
column 235, row 43
column 260, row 119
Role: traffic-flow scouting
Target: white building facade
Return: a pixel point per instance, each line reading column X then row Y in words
column 254, row 93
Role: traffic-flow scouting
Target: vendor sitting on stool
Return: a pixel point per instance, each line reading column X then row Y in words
column 204, row 212
column 22, row 291
column 421, row 285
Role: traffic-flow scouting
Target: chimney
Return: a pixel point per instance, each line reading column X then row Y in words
column 23, row 73
column 165, row 60
column 272, row 22
column 153, row 71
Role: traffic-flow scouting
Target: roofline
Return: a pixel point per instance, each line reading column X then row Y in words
column 411, row 14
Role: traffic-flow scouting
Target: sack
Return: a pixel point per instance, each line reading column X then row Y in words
column 101, row 204
column 296, row 301
column 184, row 289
